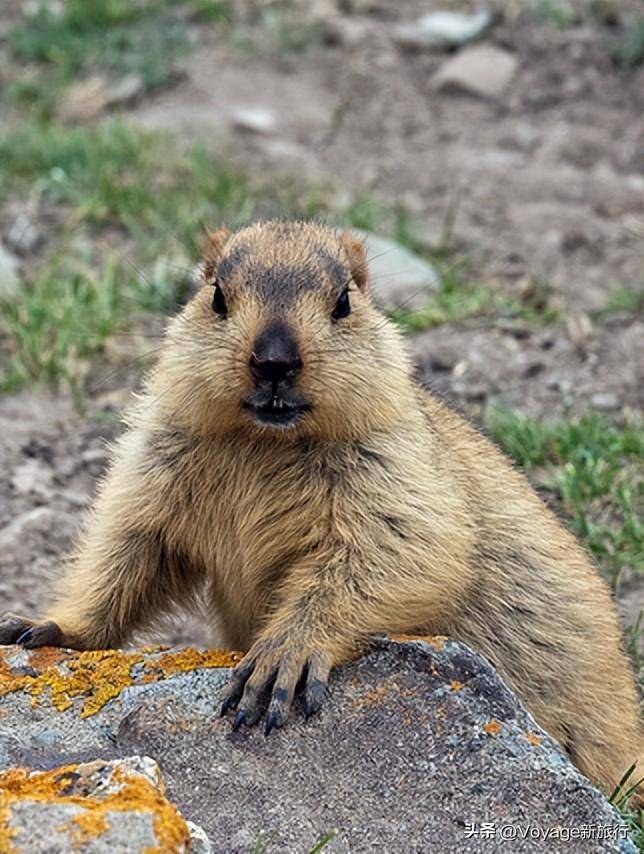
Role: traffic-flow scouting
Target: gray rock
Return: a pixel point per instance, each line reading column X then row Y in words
column 605, row 400
column 399, row 278
column 418, row 744
column 481, row 70
column 125, row 91
column 84, row 100
column 23, row 235
column 9, row 279
column 33, row 476
column 443, row 29
column 256, row 120
column 579, row 327
column 99, row 807
column 199, row 842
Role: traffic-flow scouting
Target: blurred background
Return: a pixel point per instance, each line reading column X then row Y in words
column 491, row 155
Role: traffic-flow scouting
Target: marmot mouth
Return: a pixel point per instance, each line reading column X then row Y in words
column 276, row 412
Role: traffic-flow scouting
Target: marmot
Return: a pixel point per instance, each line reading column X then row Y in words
column 282, row 455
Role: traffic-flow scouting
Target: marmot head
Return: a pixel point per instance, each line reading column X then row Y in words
column 283, row 337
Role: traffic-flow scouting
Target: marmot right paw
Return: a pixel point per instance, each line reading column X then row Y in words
column 271, row 674
column 28, row 633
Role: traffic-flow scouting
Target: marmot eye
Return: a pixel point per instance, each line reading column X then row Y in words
column 342, row 306
column 219, row 301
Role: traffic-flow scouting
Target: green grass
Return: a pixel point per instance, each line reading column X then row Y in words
column 627, row 50
column 111, row 192
column 151, row 198
column 626, row 300
column 452, row 302
column 262, row 843
column 114, row 175
column 458, row 299
column 64, row 316
column 68, row 313
column 558, row 13
column 278, row 31
column 619, row 797
column 112, row 37
column 594, row 471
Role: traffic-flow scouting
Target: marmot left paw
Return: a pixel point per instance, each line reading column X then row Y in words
column 270, row 676
column 28, row 633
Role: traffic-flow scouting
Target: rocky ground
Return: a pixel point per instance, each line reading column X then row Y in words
column 542, row 178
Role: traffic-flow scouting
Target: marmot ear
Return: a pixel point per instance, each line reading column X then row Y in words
column 213, row 248
column 354, row 247
column 215, row 242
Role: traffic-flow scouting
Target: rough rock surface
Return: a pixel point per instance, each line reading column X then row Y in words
column 418, row 740
column 9, row 281
column 482, row 70
column 443, row 29
column 99, row 807
column 399, row 278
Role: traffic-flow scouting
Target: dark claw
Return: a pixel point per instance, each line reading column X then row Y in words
column 240, row 718
column 235, row 688
column 45, row 634
column 255, row 699
column 278, row 709
column 229, row 703
column 255, row 713
column 12, row 627
column 26, row 637
column 286, row 674
column 315, row 694
column 273, row 721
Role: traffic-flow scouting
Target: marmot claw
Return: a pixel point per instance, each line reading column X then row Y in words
column 28, row 633
column 268, row 680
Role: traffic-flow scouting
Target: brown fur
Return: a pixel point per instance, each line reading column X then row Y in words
column 380, row 510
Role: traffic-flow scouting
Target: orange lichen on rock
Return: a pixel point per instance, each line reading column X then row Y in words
column 371, row 698
column 455, row 685
column 184, row 660
column 132, row 793
column 45, row 656
column 533, row 738
column 437, row 641
column 100, row 676
column 6, row 833
column 88, row 825
column 492, row 727
column 97, row 676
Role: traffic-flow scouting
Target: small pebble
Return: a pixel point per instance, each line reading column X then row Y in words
column 605, row 401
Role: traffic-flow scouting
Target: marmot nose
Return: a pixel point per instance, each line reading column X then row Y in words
column 275, row 355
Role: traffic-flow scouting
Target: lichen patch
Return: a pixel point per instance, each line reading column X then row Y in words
column 184, row 660
column 492, row 727
column 437, row 641
column 129, row 793
column 100, row 676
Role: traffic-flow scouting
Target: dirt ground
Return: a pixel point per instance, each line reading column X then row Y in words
column 543, row 182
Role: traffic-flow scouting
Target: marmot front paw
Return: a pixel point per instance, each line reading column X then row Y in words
column 268, row 678
column 29, row 633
